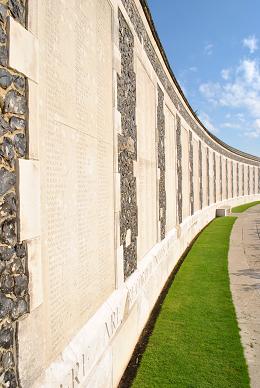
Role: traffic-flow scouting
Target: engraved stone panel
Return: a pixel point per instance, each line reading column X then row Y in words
column 76, row 153
column 196, row 175
column 185, row 173
column 171, row 172
column 218, row 194
column 146, row 162
column 211, row 177
column 234, row 179
column 239, row 179
column 246, row 180
column 224, row 179
column 252, row 183
column 229, row 166
column 204, row 176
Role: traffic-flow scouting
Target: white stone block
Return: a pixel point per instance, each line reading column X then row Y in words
column 223, row 211
column 23, row 50
column 35, row 273
column 128, row 237
column 28, row 189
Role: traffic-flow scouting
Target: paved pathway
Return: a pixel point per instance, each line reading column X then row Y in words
column 244, row 271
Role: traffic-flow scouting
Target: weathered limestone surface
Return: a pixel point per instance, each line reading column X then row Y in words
column 120, row 177
column 76, row 174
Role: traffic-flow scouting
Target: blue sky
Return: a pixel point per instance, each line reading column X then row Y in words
column 214, row 50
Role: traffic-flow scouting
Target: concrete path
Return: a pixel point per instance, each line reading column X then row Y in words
column 244, row 272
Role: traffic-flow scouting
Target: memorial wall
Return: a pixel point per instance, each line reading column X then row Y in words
column 106, row 176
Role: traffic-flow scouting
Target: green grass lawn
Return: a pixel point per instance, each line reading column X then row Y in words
column 242, row 208
column 195, row 341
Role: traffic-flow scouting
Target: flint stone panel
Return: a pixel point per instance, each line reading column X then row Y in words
column 127, row 146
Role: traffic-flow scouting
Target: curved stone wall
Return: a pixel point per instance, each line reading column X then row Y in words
column 120, row 177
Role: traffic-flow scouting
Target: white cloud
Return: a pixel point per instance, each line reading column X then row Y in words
column 234, row 121
column 205, row 119
column 225, row 74
column 255, row 132
column 229, row 125
column 208, row 49
column 242, row 92
column 251, row 43
column 210, row 89
column 193, row 68
column 249, row 71
column 240, row 117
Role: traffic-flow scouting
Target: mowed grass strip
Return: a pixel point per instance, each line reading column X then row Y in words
column 195, row 341
column 242, row 208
